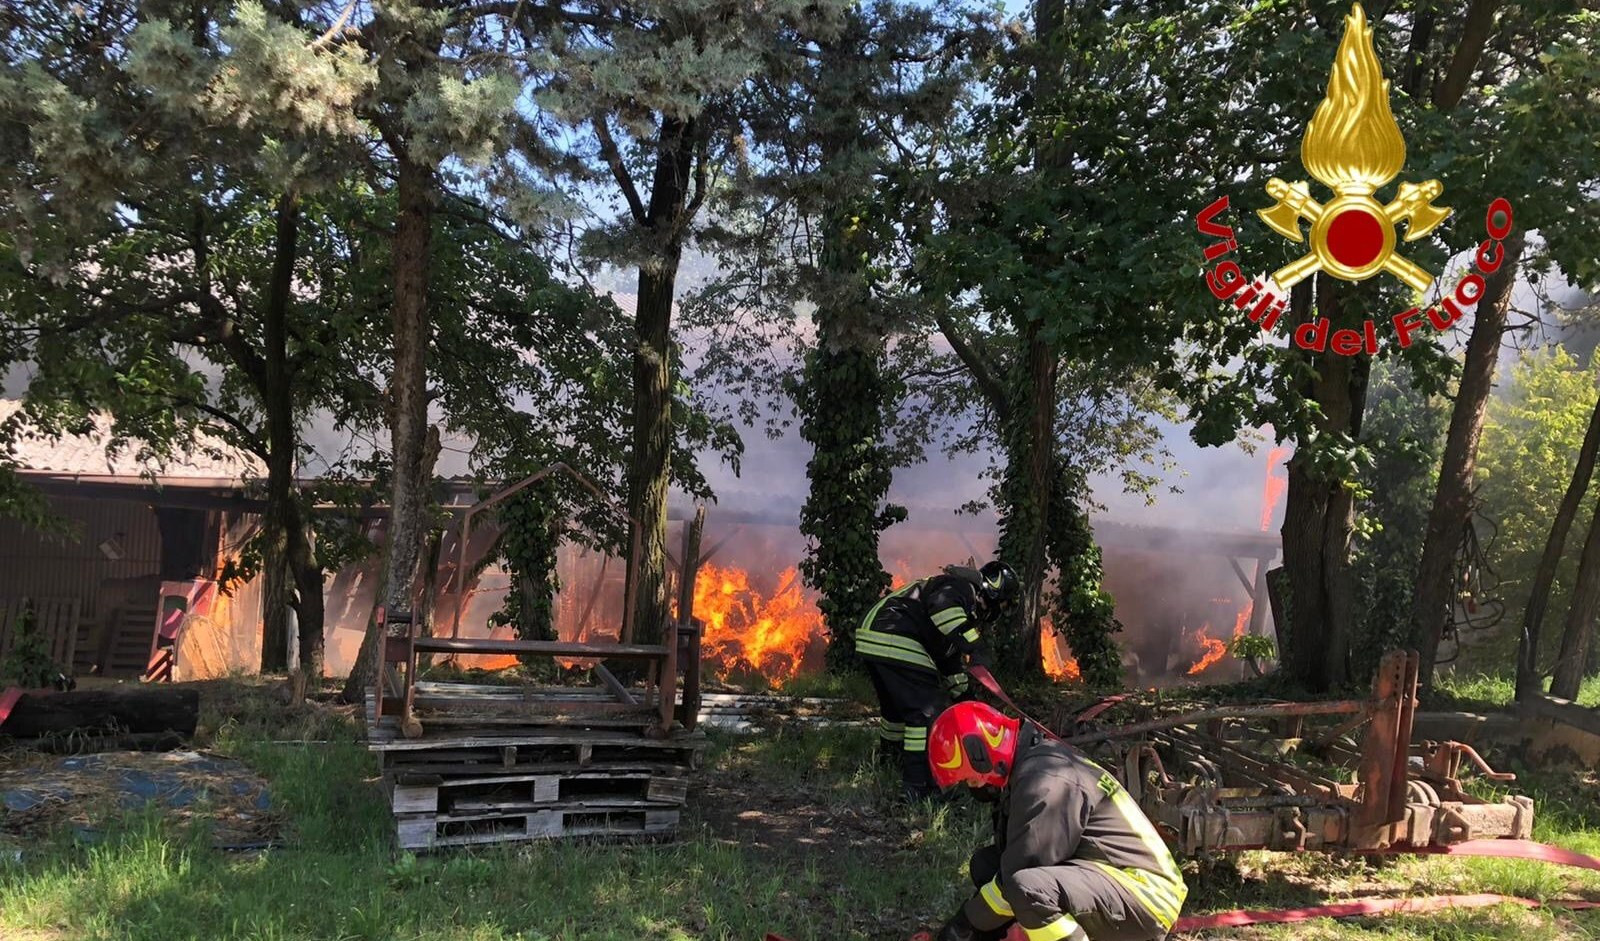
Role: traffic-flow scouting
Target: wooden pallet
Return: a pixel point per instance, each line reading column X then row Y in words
column 54, row 619
column 430, row 831
column 535, row 753
column 433, row 794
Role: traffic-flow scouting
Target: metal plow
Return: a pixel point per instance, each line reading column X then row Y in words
column 1221, row 785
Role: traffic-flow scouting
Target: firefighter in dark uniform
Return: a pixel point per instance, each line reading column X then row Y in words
column 916, row 644
column 1073, row 857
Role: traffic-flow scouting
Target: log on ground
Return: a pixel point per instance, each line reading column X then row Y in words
column 104, row 712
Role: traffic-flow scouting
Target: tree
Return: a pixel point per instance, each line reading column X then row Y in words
column 1578, row 634
column 158, row 203
column 1539, row 439
column 1482, row 142
column 1403, row 430
column 1053, row 224
column 1541, row 106
column 645, row 95
column 828, row 122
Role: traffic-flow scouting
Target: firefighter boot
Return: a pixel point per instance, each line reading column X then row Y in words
column 891, row 742
column 918, row 778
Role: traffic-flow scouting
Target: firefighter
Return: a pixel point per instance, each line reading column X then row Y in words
column 1073, row 857
column 917, row 643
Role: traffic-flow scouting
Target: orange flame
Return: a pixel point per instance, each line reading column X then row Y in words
column 1275, row 486
column 1243, row 620
column 1059, row 663
column 900, row 575
column 1212, row 650
column 744, row 631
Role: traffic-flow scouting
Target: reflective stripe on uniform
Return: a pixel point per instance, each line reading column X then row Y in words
column 1157, row 894
column 1131, row 813
column 970, row 635
column 1163, row 892
column 891, row 731
column 997, row 902
column 1062, row 928
column 866, row 622
column 949, row 619
column 916, row 738
column 955, row 682
column 878, row 645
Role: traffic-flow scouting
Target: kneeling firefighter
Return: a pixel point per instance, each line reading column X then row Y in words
column 1073, row 857
column 916, row 644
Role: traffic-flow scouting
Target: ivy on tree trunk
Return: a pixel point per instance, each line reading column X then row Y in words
column 1084, row 611
column 532, row 536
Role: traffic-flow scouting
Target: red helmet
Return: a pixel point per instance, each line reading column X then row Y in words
column 974, row 744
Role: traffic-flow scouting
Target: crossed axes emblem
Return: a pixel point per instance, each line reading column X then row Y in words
column 1353, row 237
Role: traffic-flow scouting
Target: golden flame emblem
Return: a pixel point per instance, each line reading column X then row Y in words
column 1353, row 146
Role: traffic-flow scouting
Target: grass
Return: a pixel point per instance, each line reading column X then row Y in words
column 795, row 833
column 1493, row 691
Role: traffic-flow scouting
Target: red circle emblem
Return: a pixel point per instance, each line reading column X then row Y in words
column 1355, row 238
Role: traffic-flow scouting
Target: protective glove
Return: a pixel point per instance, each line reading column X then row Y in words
column 979, row 657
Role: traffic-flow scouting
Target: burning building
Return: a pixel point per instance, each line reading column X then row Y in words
column 1181, row 593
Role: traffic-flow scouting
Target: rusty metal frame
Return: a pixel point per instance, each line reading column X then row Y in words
column 1209, row 792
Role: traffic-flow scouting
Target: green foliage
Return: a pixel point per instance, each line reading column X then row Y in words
column 1531, row 438
column 842, row 404
column 27, row 663
column 533, row 529
column 1252, row 647
column 1403, row 432
column 1084, row 611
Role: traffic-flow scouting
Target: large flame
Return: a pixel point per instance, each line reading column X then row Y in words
column 1059, row 664
column 746, row 632
column 1211, row 649
column 1353, row 144
column 1275, row 485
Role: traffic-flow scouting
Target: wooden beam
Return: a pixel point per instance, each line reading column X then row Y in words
column 1244, row 579
column 615, row 685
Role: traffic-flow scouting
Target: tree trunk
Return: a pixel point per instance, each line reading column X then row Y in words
column 1043, row 367
column 309, row 605
column 1469, row 52
column 1579, row 631
column 650, row 470
column 1026, row 491
column 1030, row 432
column 1452, row 500
column 845, row 396
column 277, row 399
column 1085, row 609
column 1319, row 513
column 1528, row 675
column 408, row 406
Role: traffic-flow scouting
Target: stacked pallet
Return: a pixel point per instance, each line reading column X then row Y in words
column 499, row 763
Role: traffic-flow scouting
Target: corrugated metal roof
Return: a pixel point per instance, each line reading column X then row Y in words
column 87, row 455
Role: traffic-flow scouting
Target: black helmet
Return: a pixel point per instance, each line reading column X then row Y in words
column 999, row 584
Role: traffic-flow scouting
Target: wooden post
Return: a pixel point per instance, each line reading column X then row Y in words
column 686, row 579
column 1258, row 599
column 691, row 565
column 631, row 590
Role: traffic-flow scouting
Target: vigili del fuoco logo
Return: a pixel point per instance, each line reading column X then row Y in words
column 1353, row 147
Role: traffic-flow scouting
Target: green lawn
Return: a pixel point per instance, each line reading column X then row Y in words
column 792, row 832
